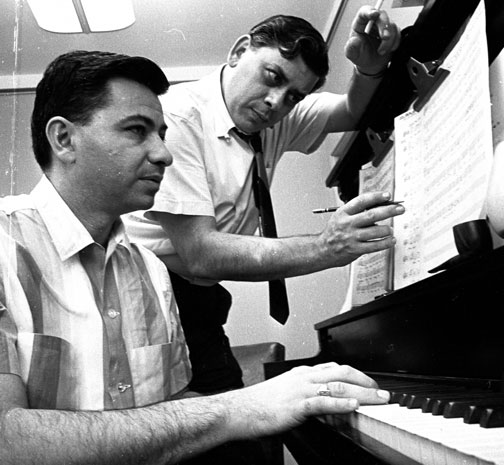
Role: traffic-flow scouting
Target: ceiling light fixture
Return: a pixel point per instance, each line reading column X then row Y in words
column 73, row 16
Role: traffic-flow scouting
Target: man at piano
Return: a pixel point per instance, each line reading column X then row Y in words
column 204, row 218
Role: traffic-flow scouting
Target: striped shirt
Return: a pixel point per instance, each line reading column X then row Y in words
column 85, row 327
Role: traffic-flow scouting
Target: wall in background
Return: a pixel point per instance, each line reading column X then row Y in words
column 19, row 171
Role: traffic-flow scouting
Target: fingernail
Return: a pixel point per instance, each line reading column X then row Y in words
column 399, row 209
column 385, row 395
column 386, row 195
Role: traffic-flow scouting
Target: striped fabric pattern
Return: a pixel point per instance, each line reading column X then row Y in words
column 86, row 328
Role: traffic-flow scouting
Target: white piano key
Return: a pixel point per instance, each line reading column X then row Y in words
column 429, row 439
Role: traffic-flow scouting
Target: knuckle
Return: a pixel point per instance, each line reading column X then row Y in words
column 299, row 370
column 345, row 370
column 370, row 215
column 338, row 388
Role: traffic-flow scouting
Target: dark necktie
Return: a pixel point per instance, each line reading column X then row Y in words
column 279, row 305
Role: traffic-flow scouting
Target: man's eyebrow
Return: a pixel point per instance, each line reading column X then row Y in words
column 136, row 117
column 148, row 121
column 278, row 69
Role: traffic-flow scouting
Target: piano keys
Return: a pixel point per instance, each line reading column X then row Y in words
column 438, row 347
column 430, row 432
column 425, row 439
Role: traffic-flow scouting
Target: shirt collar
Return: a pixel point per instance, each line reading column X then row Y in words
column 68, row 234
column 223, row 122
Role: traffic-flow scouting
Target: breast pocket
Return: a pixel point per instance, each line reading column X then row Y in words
column 151, row 372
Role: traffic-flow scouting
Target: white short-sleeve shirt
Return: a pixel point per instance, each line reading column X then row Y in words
column 211, row 174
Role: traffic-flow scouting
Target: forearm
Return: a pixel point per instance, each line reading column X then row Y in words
column 353, row 230
column 250, row 258
column 370, row 51
column 160, row 434
column 361, row 90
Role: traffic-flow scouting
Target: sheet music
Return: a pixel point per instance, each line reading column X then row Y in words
column 372, row 274
column 443, row 159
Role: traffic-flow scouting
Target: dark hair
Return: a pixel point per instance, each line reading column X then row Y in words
column 294, row 36
column 75, row 85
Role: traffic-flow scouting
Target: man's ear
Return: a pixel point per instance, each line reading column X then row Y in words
column 60, row 133
column 241, row 44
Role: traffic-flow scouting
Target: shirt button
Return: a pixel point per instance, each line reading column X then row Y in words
column 121, row 387
column 112, row 313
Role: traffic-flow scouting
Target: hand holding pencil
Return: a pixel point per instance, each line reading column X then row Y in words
column 359, row 227
column 373, row 38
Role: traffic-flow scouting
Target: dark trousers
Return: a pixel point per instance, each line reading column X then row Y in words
column 232, row 453
column 203, row 312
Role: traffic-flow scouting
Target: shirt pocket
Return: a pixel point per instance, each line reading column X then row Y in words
column 155, row 373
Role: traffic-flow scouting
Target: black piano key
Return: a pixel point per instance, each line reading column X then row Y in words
column 457, row 408
column 402, row 400
column 492, row 417
column 428, row 390
column 415, row 400
column 429, row 402
column 398, row 394
column 440, row 404
column 473, row 414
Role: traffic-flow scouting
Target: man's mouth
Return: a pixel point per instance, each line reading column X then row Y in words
column 157, row 178
column 261, row 116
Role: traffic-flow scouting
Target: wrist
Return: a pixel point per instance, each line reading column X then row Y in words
column 371, row 75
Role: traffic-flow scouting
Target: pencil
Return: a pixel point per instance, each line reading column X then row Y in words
column 370, row 25
column 333, row 209
column 325, row 210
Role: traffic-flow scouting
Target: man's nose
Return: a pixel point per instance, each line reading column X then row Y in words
column 275, row 98
column 159, row 153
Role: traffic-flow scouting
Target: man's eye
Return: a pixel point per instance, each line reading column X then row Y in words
column 295, row 99
column 138, row 130
column 273, row 78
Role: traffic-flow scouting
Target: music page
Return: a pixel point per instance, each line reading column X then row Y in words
column 443, row 159
column 372, row 273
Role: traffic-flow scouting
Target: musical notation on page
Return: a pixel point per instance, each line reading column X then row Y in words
column 372, row 274
column 443, row 159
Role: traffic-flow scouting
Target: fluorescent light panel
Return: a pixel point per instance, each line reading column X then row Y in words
column 73, row 16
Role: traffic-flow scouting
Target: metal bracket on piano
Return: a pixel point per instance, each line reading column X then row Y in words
column 426, row 77
column 380, row 143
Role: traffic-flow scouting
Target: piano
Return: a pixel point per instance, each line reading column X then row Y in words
column 437, row 345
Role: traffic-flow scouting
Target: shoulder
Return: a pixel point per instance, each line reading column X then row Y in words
column 15, row 209
column 15, row 203
column 319, row 102
column 17, row 216
column 188, row 99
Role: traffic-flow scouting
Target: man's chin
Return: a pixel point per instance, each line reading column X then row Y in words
column 143, row 203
